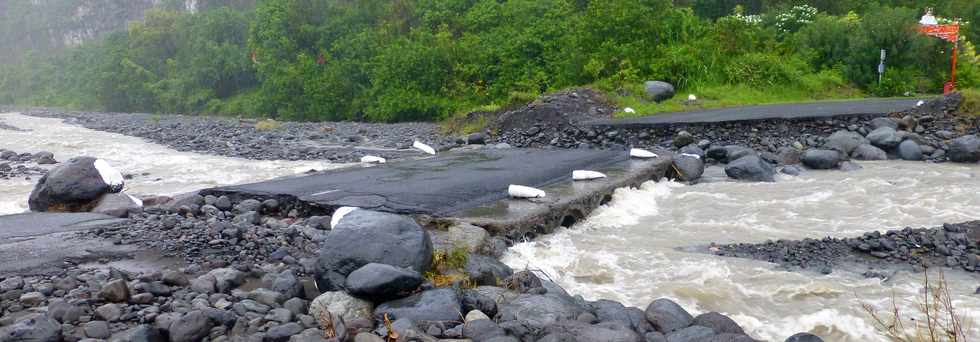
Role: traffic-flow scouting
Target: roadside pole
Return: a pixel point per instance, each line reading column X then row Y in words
column 881, row 67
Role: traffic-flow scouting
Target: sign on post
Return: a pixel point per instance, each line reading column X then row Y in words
column 881, row 66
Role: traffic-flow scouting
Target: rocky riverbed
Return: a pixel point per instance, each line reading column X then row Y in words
column 24, row 165
column 334, row 141
column 953, row 245
column 248, row 271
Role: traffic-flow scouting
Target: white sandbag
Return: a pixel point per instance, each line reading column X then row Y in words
column 424, row 148
column 110, row 175
column 629, row 110
column 690, row 155
column 586, row 175
column 920, row 103
column 691, row 97
column 641, row 153
column 138, row 201
column 373, row 160
column 520, row 191
column 339, row 215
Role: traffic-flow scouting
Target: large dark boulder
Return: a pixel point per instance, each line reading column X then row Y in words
column 667, row 316
column 751, row 168
column 804, row 337
column 365, row 237
column 430, row 306
column 821, row 159
column 658, row 91
column 788, row 155
column 75, row 186
column 727, row 154
column 965, row 149
column 380, row 282
column 719, row 323
column 579, row 331
column 686, row 167
column 531, row 314
column 869, row 152
column 844, row 141
column 909, row 150
column 486, row 271
column 884, row 137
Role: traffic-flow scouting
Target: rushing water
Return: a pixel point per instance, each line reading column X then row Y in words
column 626, row 251
column 169, row 171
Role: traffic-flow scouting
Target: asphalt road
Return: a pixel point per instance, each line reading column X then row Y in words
column 437, row 186
column 40, row 242
column 766, row 112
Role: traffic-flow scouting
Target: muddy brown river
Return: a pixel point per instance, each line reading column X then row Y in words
column 626, row 251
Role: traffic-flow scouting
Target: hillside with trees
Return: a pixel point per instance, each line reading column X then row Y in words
column 407, row 60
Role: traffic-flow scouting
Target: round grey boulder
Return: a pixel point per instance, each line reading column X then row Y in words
column 869, row 152
column 666, row 316
column 844, row 141
column 884, row 137
column 751, row 168
column 909, row 150
column 75, row 186
column 683, row 138
column 804, row 337
column 484, row 270
column 719, row 323
column 365, row 237
column 379, row 282
column 821, row 159
column 965, row 149
column 687, row 168
column 430, row 306
column 658, row 91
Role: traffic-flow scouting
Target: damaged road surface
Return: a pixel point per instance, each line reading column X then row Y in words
column 437, row 186
column 38, row 241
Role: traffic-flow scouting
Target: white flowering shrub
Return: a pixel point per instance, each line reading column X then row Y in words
column 795, row 18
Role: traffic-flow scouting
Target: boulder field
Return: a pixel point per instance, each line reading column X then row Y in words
column 253, row 270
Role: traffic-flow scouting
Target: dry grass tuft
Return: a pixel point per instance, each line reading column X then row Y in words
column 268, row 125
column 941, row 322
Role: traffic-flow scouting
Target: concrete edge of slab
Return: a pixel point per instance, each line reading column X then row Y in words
column 567, row 203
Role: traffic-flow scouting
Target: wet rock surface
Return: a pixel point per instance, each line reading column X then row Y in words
column 914, row 249
column 24, row 165
column 254, row 280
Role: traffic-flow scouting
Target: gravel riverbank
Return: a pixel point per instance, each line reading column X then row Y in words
column 953, row 245
column 334, row 141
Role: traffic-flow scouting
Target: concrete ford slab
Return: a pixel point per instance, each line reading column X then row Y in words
column 35, row 242
column 438, row 186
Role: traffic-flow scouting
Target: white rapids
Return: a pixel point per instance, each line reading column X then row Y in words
column 169, row 171
column 625, row 251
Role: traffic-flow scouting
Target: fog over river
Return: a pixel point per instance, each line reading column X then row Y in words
column 627, row 250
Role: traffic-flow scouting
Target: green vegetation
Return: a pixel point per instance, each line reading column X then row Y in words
column 402, row 60
column 448, row 268
column 971, row 102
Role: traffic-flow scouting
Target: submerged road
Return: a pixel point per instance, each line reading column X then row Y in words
column 437, row 186
column 768, row 112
